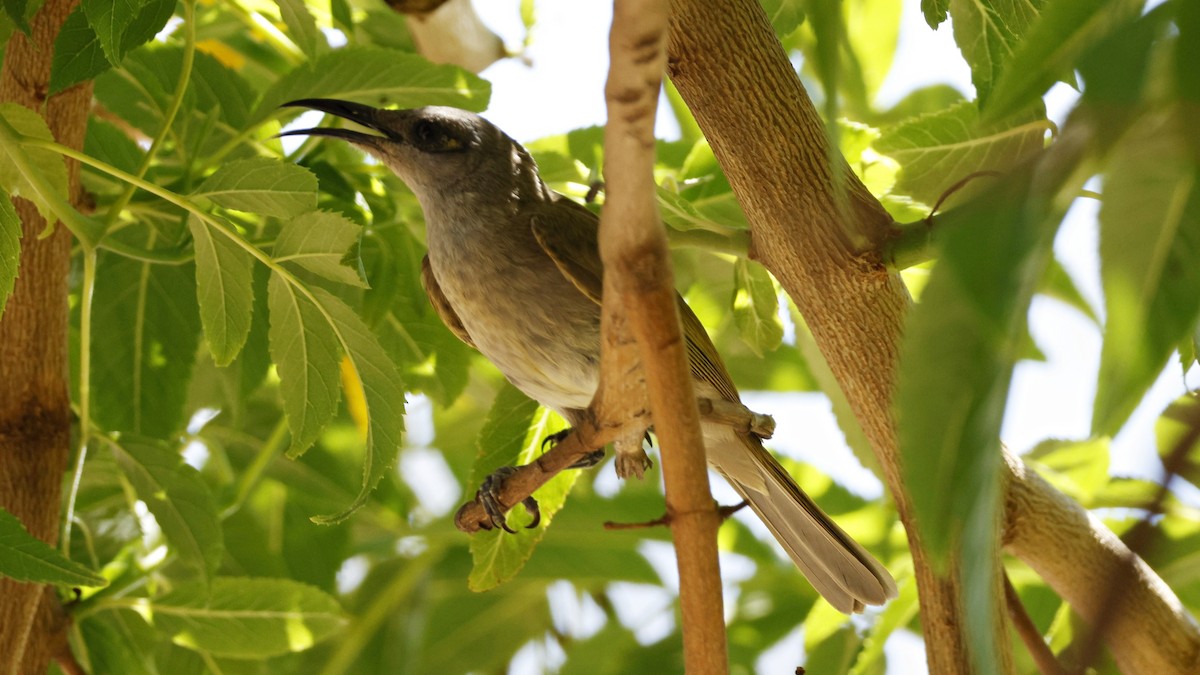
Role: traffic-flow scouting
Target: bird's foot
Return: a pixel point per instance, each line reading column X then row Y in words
column 489, row 497
column 586, row 462
column 632, row 460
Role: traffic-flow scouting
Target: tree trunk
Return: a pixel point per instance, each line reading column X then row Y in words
column 35, row 411
column 810, row 217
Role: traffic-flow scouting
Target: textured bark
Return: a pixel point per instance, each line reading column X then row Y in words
column 35, row 414
column 1148, row 631
column 809, row 218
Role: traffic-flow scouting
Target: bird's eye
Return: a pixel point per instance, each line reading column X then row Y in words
column 432, row 137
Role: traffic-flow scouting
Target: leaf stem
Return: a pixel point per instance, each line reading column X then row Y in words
column 185, row 76
column 87, row 287
column 254, row 473
column 733, row 241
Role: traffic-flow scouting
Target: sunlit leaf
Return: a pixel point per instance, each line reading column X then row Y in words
column 306, row 352
column 48, row 164
column 513, row 435
column 24, row 557
column 1179, row 422
column 937, row 150
column 223, row 272
column 323, row 243
column 382, row 392
column 263, row 185
column 756, row 307
column 376, row 76
column 987, row 33
column 246, row 617
column 302, row 27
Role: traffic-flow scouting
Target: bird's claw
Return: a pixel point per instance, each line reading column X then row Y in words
column 586, row 462
column 489, row 498
column 554, row 439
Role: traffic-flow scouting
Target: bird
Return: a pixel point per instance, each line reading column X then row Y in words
column 513, row 269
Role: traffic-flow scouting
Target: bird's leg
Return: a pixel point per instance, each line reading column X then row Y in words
column 489, row 497
column 586, row 462
column 737, row 416
column 631, row 456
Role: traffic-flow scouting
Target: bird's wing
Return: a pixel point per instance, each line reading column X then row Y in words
column 441, row 305
column 569, row 234
column 561, row 226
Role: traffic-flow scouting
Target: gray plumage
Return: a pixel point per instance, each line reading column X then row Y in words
column 514, row 270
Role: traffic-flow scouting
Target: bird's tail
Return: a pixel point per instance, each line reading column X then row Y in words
column 837, row 566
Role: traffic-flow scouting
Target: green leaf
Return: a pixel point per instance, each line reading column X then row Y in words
column 382, row 393
column 1179, row 420
column 785, row 15
column 937, row 150
column 1051, row 48
column 47, row 163
column 987, row 32
column 1077, row 468
column 935, row 11
column 262, row 185
column 302, row 27
column 756, row 307
column 323, row 243
column 215, row 110
column 223, row 271
column 898, row 613
column 246, row 617
column 15, row 10
column 513, row 434
column 177, row 497
column 960, row 345
column 78, row 54
column 306, row 354
column 379, row 77
column 24, row 557
column 1058, row 284
column 10, row 248
column 146, row 327
column 110, row 19
column 1149, row 242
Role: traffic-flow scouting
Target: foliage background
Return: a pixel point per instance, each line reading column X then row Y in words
column 248, row 329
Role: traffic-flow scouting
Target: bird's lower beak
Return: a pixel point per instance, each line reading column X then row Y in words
column 358, row 113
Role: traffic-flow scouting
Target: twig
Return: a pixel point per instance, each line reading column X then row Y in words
column 725, row 512
column 1029, row 634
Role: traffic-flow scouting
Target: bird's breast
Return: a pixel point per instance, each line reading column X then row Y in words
column 522, row 313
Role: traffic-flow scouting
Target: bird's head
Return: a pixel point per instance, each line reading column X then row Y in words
column 432, row 149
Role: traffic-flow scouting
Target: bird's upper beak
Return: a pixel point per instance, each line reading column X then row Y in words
column 358, row 113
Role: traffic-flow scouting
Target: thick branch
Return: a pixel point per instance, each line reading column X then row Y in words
column 809, row 217
column 633, row 245
column 34, row 404
column 1150, row 632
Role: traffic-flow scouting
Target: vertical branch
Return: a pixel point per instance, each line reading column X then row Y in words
column 35, row 408
column 811, row 222
column 633, row 245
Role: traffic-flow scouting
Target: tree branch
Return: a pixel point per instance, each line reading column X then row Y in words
column 35, row 419
column 633, row 246
column 809, row 219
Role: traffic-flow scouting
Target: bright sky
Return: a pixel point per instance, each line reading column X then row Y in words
column 560, row 87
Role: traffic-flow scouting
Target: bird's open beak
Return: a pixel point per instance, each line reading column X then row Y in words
column 358, row 113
